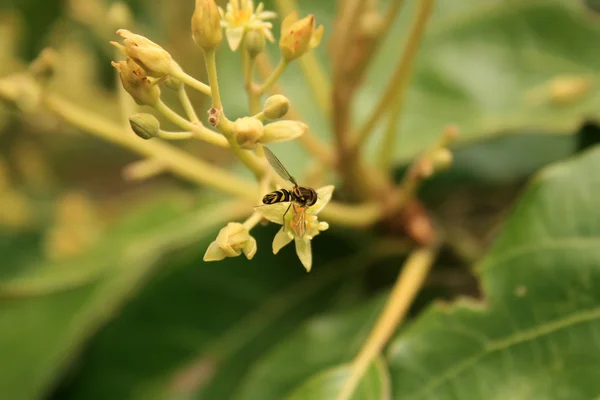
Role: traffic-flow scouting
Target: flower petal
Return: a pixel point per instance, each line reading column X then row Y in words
column 289, row 20
column 304, row 252
column 316, row 37
column 214, row 253
column 250, row 248
column 324, row 195
column 273, row 212
column 281, row 239
column 234, row 37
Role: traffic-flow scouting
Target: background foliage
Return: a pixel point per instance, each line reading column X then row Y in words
column 139, row 315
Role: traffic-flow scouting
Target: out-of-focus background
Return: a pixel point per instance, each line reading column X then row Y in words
column 103, row 291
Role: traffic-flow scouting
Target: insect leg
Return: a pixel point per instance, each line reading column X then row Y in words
column 283, row 219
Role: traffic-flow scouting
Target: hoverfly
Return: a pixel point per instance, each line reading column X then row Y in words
column 300, row 197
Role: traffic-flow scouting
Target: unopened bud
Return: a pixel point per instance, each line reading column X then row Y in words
column 247, row 132
column 206, row 24
column 144, row 125
column 298, row 36
column 282, row 131
column 136, row 83
column 568, row 89
column 441, row 159
column 254, row 42
column 276, row 106
column 152, row 58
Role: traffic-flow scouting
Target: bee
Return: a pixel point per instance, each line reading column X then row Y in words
column 300, row 197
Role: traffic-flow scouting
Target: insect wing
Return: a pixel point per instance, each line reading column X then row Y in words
column 299, row 221
column 278, row 166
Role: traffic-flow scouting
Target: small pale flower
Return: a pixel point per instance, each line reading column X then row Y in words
column 241, row 17
column 231, row 242
column 282, row 131
column 275, row 213
column 155, row 60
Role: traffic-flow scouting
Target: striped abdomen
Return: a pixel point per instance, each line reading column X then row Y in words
column 277, row 196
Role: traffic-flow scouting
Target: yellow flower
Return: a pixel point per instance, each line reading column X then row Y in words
column 231, row 242
column 155, row 60
column 240, row 17
column 298, row 36
column 275, row 213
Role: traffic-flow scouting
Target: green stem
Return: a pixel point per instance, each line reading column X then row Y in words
column 174, row 159
column 211, row 69
column 410, row 280
column 187, row 104
column 271, row 79
column 192, row 82
column 201, row 131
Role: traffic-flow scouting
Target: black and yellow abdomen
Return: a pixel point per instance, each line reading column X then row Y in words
column 277, row 196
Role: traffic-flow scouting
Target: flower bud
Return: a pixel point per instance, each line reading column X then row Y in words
column 136, row 83
column 152, row 58
column 276, row 106
column 247, row 132
column 254, row 42
column 441, row 159
column 206, row 24
column 144, row 125
column 231, row 242
column 564, row 90
column 282, row 131
column 298, row 37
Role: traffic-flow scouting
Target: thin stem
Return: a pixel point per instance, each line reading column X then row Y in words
column 192, row 82
column 271, row 79
column 396, row 90
column 174, row 159
column 170, row 135
column 143, row 169
column 201, row 131
column 253, row 96
column 407, row 286
column 356, row 215
column 187, row 105
column 252, row 221
column 211, row 69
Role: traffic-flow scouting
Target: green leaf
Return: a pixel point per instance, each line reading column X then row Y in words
column 324, row 342
column 49, row 310
column 374, row 385
column 196, row 328
column 477, row 65
column 535, row 335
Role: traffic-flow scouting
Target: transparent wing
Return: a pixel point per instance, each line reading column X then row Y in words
column 278, row 166
column 299, row 221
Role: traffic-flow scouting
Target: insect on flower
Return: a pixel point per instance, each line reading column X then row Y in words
column 300, row 197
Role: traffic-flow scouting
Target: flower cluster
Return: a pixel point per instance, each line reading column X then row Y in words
column 148, row 66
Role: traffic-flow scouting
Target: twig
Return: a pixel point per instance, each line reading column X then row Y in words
column 409, row 282
column 396, row 90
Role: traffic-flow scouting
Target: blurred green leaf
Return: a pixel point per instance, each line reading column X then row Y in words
column 374, row 385
column 48, row 310
column 324, row 342
column 196, row 328
column 535, row 335
column 480, row 67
